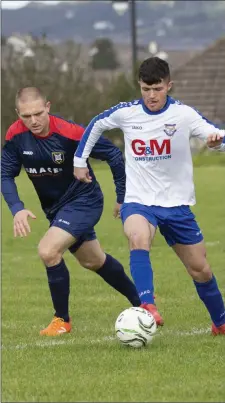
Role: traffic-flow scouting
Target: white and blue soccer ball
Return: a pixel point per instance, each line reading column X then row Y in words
column 135, row 327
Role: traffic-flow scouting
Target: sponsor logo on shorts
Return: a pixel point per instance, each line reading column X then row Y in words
column 64, row 221
column 198, row 233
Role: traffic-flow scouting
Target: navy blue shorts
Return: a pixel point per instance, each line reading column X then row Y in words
column 176, row 224
column 78, row 218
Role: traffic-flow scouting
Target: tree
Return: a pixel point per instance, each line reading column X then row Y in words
column 105, row 55
column 75, row 92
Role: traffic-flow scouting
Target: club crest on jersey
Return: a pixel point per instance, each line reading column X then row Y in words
column 58, row 157
column 170, row 129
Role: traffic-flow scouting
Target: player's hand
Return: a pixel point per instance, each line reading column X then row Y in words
column 82, row 174
column 20, row 223
column 214, row 140
column 116, row 211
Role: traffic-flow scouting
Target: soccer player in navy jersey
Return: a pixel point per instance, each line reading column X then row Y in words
column 159, row 182
column 44, row 145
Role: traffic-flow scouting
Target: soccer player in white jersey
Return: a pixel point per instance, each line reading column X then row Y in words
column 159, row 182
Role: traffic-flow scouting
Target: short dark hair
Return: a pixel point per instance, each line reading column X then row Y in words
column 153, row 70
column 26, row 94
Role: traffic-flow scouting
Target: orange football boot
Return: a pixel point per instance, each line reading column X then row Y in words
column 218, row 330
column 57, row 327
column 153, row 310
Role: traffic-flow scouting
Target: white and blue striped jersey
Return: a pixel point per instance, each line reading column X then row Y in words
column 159, row 169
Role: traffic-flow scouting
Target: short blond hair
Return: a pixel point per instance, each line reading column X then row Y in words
column 27, row 94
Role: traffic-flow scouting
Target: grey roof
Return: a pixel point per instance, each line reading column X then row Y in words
column 201, row 82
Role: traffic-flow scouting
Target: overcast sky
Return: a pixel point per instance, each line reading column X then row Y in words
column 18, row 4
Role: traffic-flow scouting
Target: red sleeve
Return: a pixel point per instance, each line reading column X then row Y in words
column 16, row 128
column 65, row 128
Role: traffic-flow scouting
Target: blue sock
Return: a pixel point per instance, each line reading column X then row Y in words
column 59, row 284
column 113, row 273
column 210, row 294
column 141, row 271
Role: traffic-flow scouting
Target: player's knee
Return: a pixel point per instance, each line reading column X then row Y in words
column 48, row 255
column 93, row 262
column 201, row 271
column 138, row 240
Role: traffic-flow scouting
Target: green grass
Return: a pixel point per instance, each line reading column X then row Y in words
column 184, row 362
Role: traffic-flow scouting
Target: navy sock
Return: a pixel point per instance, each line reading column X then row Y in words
column 113, row 273
column 210, row 294
column 141, row 271
column 59, row 284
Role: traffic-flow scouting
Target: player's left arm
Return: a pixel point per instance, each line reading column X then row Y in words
column 207, row 131
column 105, row 150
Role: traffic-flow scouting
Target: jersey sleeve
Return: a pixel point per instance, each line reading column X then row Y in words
column 201, row 127
column 10, row 168
column 105, row 150
column 108, row 120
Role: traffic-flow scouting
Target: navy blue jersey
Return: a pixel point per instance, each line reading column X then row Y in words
column 48, row 162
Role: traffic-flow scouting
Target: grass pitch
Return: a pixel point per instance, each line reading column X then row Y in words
column 184, row 362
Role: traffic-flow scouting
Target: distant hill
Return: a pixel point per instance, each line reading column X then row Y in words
column 174, row 24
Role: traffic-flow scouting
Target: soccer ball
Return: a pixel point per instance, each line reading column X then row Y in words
column 135, row 327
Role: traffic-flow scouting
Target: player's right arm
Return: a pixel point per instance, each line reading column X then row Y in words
column 10, row 168
column 107, row 120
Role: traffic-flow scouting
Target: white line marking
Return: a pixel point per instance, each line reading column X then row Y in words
column 53, row 343
column 212, row 243
column 192, row 332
